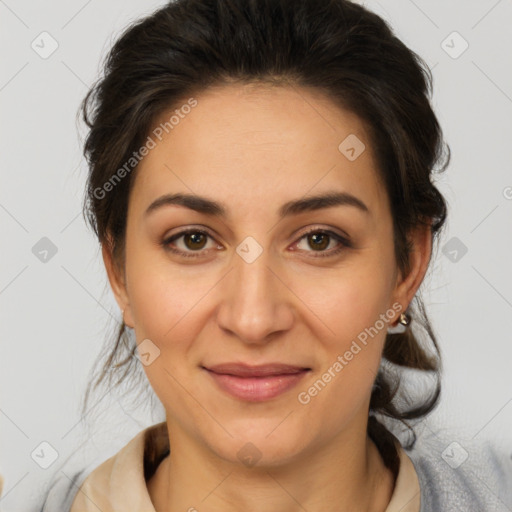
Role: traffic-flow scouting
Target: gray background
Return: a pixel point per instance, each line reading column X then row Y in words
column 54, row 314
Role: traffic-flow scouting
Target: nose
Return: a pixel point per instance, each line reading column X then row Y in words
column 255, row 301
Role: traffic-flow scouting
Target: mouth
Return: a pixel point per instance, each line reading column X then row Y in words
column 255, row 383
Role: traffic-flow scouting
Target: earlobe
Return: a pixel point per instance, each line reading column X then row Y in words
column 117, row 284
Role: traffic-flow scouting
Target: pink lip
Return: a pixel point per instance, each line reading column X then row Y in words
column 256, row 383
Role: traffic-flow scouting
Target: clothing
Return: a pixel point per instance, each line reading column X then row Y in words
column 119, row 483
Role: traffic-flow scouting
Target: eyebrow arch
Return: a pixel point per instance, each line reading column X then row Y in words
column 320, row 201
column 209, row 207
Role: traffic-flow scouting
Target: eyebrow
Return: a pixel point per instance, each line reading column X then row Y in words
column 307, row 204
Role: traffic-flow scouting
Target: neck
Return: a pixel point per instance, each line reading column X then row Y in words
column 345, row 474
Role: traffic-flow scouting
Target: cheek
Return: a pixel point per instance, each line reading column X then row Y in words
column 351, row 353
column 163, row 298
column 165, row 307
column 353, row 307
column 348, row 302
column 159, row 305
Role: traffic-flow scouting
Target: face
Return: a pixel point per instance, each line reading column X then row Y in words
column 256, row 279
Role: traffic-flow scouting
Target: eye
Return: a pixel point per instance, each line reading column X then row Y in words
column 194, row 241
column 320, row 239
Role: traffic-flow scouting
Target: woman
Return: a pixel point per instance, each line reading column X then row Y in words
column 261, row 183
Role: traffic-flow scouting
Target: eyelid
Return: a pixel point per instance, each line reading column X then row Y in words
column 330, row 231
column 344, row 242
column 192, row 229
column 165, row 243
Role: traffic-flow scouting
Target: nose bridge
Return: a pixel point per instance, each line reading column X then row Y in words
column 254, row 304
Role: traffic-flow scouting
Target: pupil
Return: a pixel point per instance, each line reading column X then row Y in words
column 194, row 238
column 315, row 238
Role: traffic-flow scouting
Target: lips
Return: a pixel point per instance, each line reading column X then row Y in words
column 255, row 383
column 245, row 370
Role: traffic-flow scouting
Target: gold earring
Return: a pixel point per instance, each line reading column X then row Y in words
column 402, row 324
column 405, row 319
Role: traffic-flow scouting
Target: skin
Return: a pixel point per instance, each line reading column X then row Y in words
column 254, row 148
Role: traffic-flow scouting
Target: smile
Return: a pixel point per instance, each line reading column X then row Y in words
column 256, row 383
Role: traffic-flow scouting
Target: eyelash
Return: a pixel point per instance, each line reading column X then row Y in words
column 343, row 243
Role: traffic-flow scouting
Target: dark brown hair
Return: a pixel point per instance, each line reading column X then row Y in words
column 334, row 46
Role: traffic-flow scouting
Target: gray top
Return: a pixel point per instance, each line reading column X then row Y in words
column 464, row 477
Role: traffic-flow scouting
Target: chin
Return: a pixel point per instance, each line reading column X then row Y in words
column 258, row 443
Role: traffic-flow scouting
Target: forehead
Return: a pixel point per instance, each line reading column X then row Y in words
column 254, row 146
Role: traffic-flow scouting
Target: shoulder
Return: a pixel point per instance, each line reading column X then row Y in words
column 461, row 474
column 113, row 481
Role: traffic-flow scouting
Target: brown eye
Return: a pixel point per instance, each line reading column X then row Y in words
column 195, row 240
column 318, row 240
column 192, row 243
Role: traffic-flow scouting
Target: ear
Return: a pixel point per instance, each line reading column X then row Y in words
column 117, row 283
column 421, row 250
